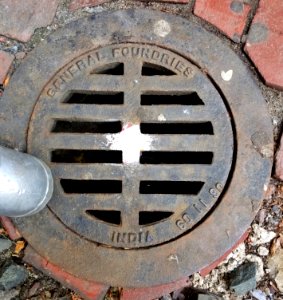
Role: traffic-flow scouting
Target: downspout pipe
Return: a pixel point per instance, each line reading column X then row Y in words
column 26, row 184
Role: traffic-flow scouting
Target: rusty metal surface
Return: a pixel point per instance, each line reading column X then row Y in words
column 146, row 219
column 234, row 103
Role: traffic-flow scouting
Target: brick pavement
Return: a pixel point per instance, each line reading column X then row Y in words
column 230, row 17
column 6, row 60
column 265, row 42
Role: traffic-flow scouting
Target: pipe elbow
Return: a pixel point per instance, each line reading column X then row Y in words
column 26, row 184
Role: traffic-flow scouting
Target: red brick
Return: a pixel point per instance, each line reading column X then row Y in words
column 228, row 16
column 87, row 289
column 265, row 42
column 20, row 18
column 6, row 60
column 205, row 271
column 77, row 4
column 279, row 161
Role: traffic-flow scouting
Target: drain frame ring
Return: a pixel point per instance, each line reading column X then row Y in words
column 252, row 166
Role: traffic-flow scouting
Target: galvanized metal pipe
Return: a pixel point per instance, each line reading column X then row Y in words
column 26, row 184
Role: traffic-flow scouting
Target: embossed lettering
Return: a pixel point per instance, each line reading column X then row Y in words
column 155, row 55
column 219, row 186
column 125, row 51
column 131, row 237
column 181, row 224
column 145, row 53
column 180, row 67
column 165, row 59
column 135, row 51
column 92, row 60
column 203, row 203
column 172, row 62
column 188, row 72
column 215, row 192
column 81, row 65
column 196, row 208
column 187, row 218
column 67, row 75
column 51, row 92
column 184, row 222
column 116, row 52
column 89, row 60
column 73, row 69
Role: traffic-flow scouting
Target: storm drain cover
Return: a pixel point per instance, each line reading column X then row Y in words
column 158, row 140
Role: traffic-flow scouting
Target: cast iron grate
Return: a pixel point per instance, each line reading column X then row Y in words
column 136, row 138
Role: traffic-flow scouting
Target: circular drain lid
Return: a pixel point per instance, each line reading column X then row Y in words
column 137, row 139
column 142, row 143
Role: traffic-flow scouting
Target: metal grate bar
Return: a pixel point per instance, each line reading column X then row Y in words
column 103, row 83
column 183, row 142
column 168, row 84
column 173, row 172
column 165, row 113
column 88, row 112
column 84, row 171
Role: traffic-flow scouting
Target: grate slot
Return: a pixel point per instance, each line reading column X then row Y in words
column 107, row 216
column 86, row 156
column 110, row 69
column 171, row 99
column 171, row 187
column 154, row 70
column 151, row 217
column 176, row 157
column 72, row 186
column 86, row 127
column 99, row 98
column 177, row 128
